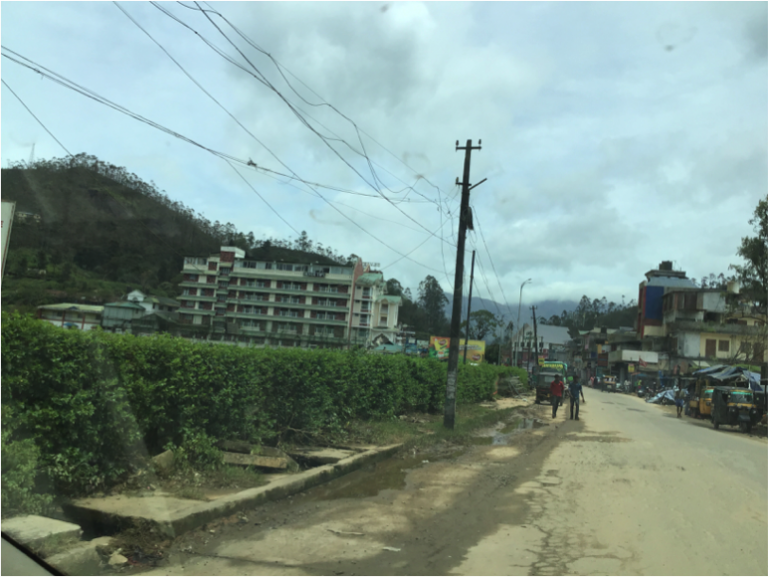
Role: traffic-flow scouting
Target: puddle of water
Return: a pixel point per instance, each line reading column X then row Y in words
column 500, row 437
column 373, row 479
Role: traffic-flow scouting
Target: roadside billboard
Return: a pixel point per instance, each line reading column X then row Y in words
column 8, row 208
column 439, row 347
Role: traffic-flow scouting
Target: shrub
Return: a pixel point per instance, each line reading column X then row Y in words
column 97, row 404
column 20, row 468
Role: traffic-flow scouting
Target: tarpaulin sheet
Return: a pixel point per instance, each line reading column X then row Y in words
column 668, row 394
column 708, row 370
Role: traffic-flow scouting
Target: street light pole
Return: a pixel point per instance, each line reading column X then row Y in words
column 519, row 304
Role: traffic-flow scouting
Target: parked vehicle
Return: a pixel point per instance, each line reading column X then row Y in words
column 642, row 390
column 609, row 384
column 701, row 401
column 734, row 407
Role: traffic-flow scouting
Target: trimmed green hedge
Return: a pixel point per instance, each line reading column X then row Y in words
column 96, row 403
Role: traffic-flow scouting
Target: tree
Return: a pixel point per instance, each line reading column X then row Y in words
column 481, row 324
column 753, row 274
column 303, row 243
column 66, row 272
column 394, row 288
column 432, row 300
column 42, row 259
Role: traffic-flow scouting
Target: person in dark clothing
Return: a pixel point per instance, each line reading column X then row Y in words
column 556, row 393
column 576, row 390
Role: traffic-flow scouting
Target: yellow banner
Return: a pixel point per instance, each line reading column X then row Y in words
column 439, row 347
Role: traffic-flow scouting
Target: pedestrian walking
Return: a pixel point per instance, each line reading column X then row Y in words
column 680, row 401
column 556, row 394
column 576, row 390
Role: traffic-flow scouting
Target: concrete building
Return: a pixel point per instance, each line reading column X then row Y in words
column 228, row 298
column 650, row 314
column 709, row 326
column 117, row 316
column 627, row 357
column 374, row 313
column 153, row 304
column 71, row 316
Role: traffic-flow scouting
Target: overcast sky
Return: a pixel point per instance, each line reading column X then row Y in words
column 614, row 135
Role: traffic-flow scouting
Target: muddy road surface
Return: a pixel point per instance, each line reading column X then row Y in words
column 627, row 490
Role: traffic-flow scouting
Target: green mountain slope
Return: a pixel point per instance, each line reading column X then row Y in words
column 97, row 231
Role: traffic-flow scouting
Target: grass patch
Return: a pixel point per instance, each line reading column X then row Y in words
column 190, row 484
column 230, row 476
column 422, row 429
column 194, row 493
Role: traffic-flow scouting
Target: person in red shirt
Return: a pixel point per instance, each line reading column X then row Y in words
column 556, row 392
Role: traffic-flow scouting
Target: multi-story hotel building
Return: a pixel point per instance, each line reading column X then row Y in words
column 230, row 298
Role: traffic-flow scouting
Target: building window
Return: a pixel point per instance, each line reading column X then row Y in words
column 212, row 265
column 724, row 346
column 210, row 279
column 710, row 347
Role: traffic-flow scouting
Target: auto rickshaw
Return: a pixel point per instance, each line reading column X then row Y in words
column 734, row 407
column 609, row 384
column 701, row 401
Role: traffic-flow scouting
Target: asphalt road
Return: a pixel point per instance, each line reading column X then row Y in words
column 627, row 490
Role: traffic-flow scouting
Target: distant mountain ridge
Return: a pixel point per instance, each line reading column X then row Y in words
column 544, row 309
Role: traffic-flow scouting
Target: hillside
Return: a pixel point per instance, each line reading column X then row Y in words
column 95, row 231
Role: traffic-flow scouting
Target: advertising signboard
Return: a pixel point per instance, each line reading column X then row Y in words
column 439, row 347
column 8, row 208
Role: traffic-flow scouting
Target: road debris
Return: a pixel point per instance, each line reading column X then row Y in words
column 337, row 532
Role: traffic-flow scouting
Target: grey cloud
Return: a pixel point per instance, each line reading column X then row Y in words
column 756, row 36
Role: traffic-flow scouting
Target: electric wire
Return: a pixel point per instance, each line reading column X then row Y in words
column 40, row 122
column 59, row 79
column 298, row 115
column 476, row 218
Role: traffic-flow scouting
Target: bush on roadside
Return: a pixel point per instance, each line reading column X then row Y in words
column 20, row 460
column 98, row 404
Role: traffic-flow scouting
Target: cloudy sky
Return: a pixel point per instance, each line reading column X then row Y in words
column 614, row 135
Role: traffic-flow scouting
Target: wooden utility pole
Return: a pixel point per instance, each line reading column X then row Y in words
column 535, row 344
column 449, row 416
column 469, row 304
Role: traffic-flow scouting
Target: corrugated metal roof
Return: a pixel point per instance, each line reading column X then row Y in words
column 370, row 278
column 553, row 334
column 125, row 305
column 670, row 281
column 162, row 301
column 390, row 298
column 73, row 307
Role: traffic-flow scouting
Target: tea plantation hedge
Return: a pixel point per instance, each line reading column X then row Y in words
column 96, row 403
